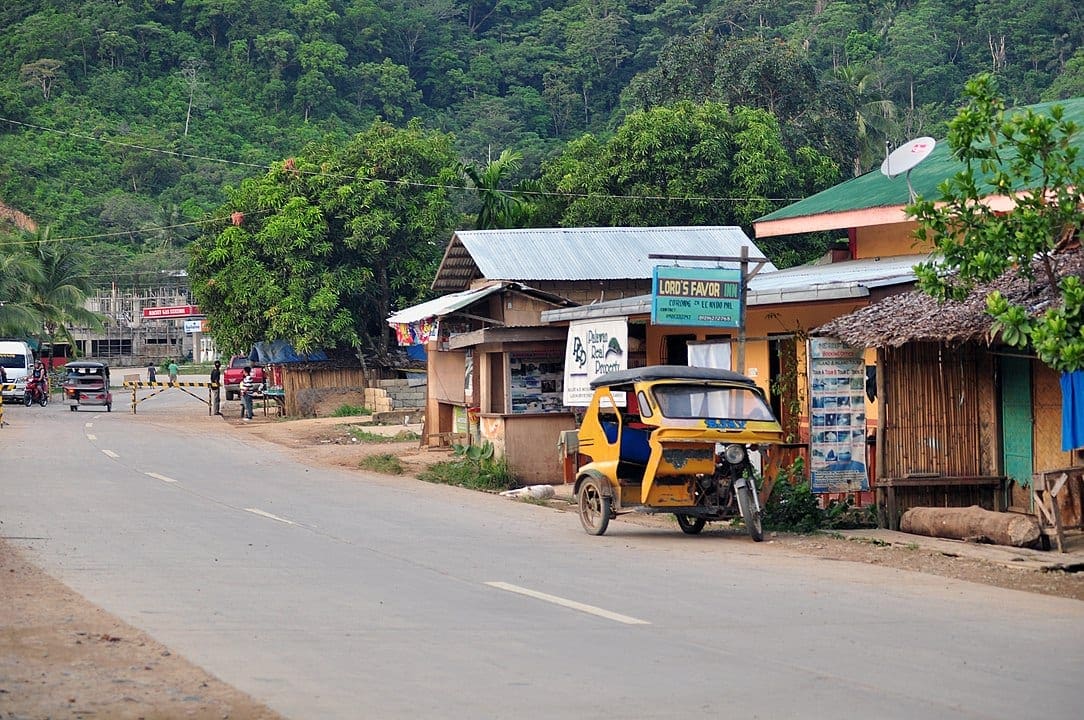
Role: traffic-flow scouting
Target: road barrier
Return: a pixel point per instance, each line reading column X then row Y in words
column 3, row 388
column 136, row 385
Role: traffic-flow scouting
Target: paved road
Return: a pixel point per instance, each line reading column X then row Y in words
column 341, row 595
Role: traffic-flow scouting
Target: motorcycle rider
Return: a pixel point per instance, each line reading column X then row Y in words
column 40, row 378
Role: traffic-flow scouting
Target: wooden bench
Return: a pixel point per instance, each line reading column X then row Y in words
column 933, row 491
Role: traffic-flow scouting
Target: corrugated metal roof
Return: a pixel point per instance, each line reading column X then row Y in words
column 805, row 283
column 604, row 253
column 850, row 278
column 874, row 190
column 447, row 304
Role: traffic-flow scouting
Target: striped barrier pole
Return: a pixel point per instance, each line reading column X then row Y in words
column 161, row 387
column 2, row 389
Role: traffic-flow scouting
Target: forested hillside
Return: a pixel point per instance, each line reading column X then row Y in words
column 128, row 118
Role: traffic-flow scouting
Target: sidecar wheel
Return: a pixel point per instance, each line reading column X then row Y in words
column 594, row 507
column 690, row 525
column 749, row 514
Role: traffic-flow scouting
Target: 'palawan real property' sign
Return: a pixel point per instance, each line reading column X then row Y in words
column 696, row 296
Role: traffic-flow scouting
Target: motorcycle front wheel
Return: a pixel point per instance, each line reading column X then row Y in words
column 749, row 513
column 28, row 399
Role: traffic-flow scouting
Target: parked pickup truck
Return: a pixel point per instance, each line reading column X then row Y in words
column 235, row 371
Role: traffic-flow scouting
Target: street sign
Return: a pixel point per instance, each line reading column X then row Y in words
column 696, row 296
column 171, row 311
column 195, row 326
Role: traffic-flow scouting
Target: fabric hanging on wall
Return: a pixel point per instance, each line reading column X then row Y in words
column 416, row 333
column 1072, row 410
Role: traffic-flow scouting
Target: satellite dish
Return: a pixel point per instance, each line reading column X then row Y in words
column 905, row 157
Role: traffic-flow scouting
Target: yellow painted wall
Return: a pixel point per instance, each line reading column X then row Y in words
column 888, row 241
column 761, row 323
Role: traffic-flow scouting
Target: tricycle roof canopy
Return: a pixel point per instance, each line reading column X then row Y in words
column 86, row 365
column 666, row 372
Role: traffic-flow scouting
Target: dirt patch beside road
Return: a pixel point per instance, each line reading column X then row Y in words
column 62, row 657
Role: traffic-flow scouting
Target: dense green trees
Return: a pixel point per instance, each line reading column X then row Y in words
column 124, row 122
column 318, row 250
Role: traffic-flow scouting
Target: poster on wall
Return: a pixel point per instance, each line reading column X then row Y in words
column 595, row 347
column 535, row 382
column 837, row 419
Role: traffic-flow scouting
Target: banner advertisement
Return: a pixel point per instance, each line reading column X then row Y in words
column 595, row 347
column 696, row 296
column 837, row 378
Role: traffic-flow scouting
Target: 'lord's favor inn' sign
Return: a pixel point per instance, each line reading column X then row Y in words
column 696, row 296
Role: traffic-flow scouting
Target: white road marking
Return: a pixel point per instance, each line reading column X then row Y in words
column 111, row 454
column 163, row 478
column 89, row 425
column 261, row 513
column 91, row 437
column 590, row 609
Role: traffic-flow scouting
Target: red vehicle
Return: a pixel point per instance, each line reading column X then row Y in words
column 37, row 391
column 235, row 371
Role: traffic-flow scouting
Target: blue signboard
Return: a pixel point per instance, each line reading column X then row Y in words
column 696, row 296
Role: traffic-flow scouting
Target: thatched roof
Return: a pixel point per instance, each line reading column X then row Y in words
column 917, row 317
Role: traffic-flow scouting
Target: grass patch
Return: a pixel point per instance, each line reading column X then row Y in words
column 382, row 463
column 365, row 436
column 347, row 410
column 474, row 468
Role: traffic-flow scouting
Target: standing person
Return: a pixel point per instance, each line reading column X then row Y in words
column 216, row 390
column 246, row 388
column 152, row 372
column 172, row 371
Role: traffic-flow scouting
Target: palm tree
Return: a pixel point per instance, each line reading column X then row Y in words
column 58, row 293
column 875, row 118
column 17, row 270
column 499, row 208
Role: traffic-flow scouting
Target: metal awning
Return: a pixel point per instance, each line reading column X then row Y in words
column 442, row 305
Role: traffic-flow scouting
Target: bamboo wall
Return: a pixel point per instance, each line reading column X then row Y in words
column 298, row 380
column 939, row 414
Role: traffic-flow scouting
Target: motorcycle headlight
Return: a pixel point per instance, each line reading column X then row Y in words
column 734, row 454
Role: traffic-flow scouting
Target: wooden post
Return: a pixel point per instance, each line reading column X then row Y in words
column 741, row 309
column 884, row 519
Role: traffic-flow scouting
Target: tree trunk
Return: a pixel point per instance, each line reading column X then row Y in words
column 972, row 523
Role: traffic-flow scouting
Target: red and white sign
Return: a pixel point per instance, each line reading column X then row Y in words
column 171, row 311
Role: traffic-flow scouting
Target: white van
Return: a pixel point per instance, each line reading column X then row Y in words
column 18, row 362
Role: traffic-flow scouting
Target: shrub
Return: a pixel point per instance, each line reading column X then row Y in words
column 365, row 436
column 347, row 410
column 383, row 463
column 474, row 467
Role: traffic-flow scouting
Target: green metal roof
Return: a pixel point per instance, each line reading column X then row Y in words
column 874, row 190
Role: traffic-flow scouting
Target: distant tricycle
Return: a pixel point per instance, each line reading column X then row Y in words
column 86, row 383
column 673, row 439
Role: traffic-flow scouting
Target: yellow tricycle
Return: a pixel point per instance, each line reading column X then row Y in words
column 673, row 439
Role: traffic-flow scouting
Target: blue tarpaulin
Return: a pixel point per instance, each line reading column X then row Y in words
column 277, row 352
column 1072, row 410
